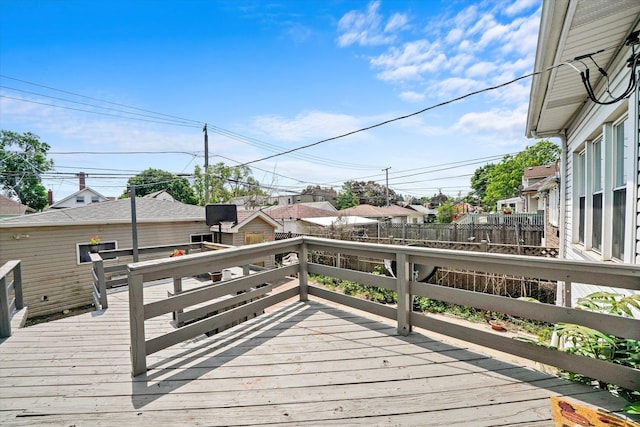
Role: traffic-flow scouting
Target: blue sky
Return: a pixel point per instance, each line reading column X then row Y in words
column 269, row 76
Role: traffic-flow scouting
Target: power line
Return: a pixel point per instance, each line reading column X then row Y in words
column 98, row 112
column 386, row 122
column 175, row 120
column 199, row 123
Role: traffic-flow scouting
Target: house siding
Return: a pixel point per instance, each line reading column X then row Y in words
column 52, row 279
column 595, row 121
column 257, row 225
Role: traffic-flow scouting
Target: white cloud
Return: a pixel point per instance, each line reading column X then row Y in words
column 410, row 61
column 412, row 96
column 397, row 22
column 523, row 36
column 306, row 126
column 481, row 69
column 454, row 86
column 520, row 6
column 454, row 35
column 366, row 28
column 508, row 125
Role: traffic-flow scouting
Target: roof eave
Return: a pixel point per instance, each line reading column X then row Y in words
column 552, row 20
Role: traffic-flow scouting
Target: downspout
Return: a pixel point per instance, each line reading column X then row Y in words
column 564, row 154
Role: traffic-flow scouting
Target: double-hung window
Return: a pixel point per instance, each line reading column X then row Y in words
column 596, row 199
column 581, row 188
column 620, row 152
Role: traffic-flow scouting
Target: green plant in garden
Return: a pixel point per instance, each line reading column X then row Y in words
column 592, row 343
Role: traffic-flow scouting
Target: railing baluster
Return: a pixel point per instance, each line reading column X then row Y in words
column 404, row 296
column 136, row 324
column 5, row 314
column 303, row 273
column 17, row 286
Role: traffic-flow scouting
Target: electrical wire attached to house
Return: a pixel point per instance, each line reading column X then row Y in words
column 632, row 62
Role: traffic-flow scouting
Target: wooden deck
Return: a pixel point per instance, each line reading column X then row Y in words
column 302, row 364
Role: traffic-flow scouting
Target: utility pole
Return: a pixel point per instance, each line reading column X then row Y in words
column 387, row 186
column 206, row 165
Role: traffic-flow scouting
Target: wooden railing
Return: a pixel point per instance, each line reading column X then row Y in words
column 246, row 294
column 9, row 304
column 114, row 275
column 617, row 275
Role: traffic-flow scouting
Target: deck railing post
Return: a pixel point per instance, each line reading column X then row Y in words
column 136, row 324
column 17, row 286
column 303, row 271
column 102, row 284
column 5, row 314
column 404, row 296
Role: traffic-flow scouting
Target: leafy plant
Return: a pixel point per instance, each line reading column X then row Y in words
column 592, row 343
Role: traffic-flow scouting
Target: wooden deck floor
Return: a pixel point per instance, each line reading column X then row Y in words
column 303, row 364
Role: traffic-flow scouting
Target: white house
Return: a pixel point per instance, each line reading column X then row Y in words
column 81, row 197
column 597, row 125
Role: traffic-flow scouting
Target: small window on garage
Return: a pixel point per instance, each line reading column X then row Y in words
column 199, row 238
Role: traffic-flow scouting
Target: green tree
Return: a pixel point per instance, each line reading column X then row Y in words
column 370, row 192
column 346, row 200
column 479, row 182
column 225, row 183
column 445, row 213
column 505, row 177
column 152, row 180
column 23, row 159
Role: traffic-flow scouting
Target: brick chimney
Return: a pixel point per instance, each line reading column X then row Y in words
column 50, row 197
column 82, row 177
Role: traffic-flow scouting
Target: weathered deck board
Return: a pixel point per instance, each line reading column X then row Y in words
column 304, row 364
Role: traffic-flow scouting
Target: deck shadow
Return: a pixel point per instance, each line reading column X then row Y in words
column 241, row 339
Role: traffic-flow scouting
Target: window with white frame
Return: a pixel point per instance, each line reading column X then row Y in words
column 79, row 199
column 597, row 186
column 581, row 191
column 600, row 174
column 620, row 153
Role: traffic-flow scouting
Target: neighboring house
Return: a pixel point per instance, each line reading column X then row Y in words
column 53, row 245
column 252, row 227
column 289, row 216
column 394, row 214
column 514, row 204
column 600, row 141
column 291, row 199
column 314, row 194
column 548, row 196
column 81, row 197
column 532, row 178
column 250, row 202
column 428, row 214
column 160, row 195
column 9, row 208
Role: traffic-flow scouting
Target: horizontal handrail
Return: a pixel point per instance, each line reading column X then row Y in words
column 615, row 275
column 10, row 305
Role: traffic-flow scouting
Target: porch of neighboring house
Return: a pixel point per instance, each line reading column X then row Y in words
column 315, row 358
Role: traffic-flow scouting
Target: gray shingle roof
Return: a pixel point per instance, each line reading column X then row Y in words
column 118, row 211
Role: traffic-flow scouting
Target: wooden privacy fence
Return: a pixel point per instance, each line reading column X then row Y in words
column 11, row 300
column 517, row 233
column 616, row 275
